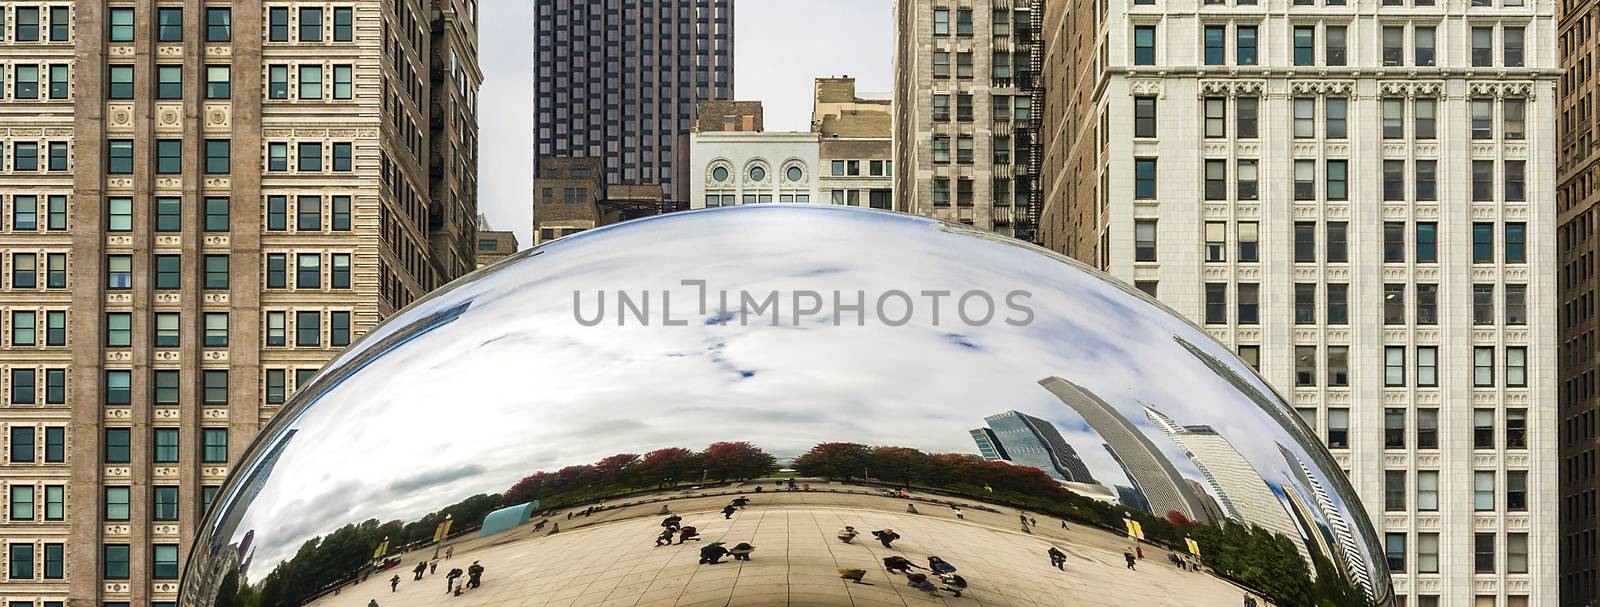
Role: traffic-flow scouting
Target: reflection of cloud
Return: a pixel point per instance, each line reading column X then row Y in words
column 515, row 385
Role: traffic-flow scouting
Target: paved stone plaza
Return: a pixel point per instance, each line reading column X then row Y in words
column 610, row 559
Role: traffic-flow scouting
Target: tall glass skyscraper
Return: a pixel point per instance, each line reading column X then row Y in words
column 620, row 80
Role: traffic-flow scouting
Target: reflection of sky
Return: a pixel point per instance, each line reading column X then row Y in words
column 515, row 384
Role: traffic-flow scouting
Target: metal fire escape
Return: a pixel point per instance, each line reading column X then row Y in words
column 1032, row 131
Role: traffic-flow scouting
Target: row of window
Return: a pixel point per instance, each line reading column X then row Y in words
column 25, row 386
column 308, row 82
column 26, row 25
column 1336, row 173
column 1426, row 251
column 25, row 270
column 728, row 200
column 310, row 25
column 308, row 331
column 1335, row 123
column 852, row 168
column 1337, row 367
column 25, row 445
column 26, row 158
column 213, row 449
column 1214, row 43
column 25, row 82
column 1396, row 492
column 999, row 22
column 1426, row 434
column 1001, row 107
column 1247, row 310
column 308, row 212
column 218, row 160
column 165, row 383
column 169, row 24
column 876, row 198
column 1483, row 558
column 309, row 157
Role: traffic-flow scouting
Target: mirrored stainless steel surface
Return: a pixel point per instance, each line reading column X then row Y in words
column 786, row 380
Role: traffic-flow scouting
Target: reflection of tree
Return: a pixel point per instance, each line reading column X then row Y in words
column 1273, row 564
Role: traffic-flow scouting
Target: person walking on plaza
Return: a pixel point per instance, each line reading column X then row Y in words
column 672, row 522
column 712, row 553
column 741, row 501
column 394, row 582
column 450, row 579
column 953, row 583
column 899, row 564
column 848, row 534
column 957, row 511
column 920, row 582
column 741, row 551
column 1127, row 555
column 940, row 566
column 474, row 575
column 421, row 568
column 728, row 510
column 854, row 575
column 665, row 539
column 1058, row 559
column 688, row 533
column 433, row 566
column 886, row 537
column 1249, row 601
column 1139, row 551
column 372, row 603
column 449, row 552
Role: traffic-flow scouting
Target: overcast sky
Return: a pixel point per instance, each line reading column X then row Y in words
column 779, row 47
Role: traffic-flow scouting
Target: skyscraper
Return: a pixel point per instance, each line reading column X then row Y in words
column 966, row 136
column 620, row 81
column 203, row 203
column 1163, row 488
column 989, row 445
column 1389, row 177
column 1031, row 441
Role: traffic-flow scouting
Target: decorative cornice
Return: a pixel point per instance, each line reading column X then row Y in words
column 1412, row 89
column 1232, row 88
column 1499, row 89
column 1330, row 88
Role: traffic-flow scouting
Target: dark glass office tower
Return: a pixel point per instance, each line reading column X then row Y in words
column 619, row 79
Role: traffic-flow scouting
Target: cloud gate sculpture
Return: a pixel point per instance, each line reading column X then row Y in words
column 786, row 405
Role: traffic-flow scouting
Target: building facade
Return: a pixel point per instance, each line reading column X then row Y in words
column 620, row 81
column 965, row 141
column 1228, row 155
column 1576, row 197
column 495, row 245
column 856, row 150
column 1027, row 440
column 201, row 205
column 731, row 167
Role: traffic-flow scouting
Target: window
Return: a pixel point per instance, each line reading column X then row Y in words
column 1215, row 44
column 117, row 503
column 1516, row 304
column 169, row 24
column 1305, row 118
column 278, row 24
column 343, row 78
column 1482, row 367
column 1001, row 22
column 1516, row 367
column 964, row 149
column 1249, row 303
column 1338, row 366
column 166, row 503
column 22, row 449
column 1483, row 428
column 215, row 448
column 1482, row 120
column 1482, row 180
column 166, row 334
column 1422, row 42
column 941, row 149
column 307, row 328
column 1513, row 114
column 169, row 82
column 1305, row 365
column 55, row 271
column 1394, row 118
column 308, row 213
column 1216, row 184
column 55, row 386
column 1251, row 355
column 1483, row 243
column 1144, row 116
column 1517, row 490
column 964, row 65
column 1337, row 179
column 219, row 25
column 1305, row 242
column 964, row 22
column 1216, row 240
column 1394, row 304
column 1394, row 434
column 1144, row 45
column 277, row 82
column 23, row 387
column 58, row 162
column 1144, row 241
column 54, row 554
column 1394, row 492
column 1000, row 64
column 1511, row 44
column 1427, row 490
column 339, row 271
column 275, row 386
column 1482, row 46
column 119, row 272
column 1427, row 366
column 1305, row 180
column 310, row 24
column 216, row 272
column 121, row 25
column 1216, row 121
column 24, row 268
column 1393, row 45
column 1427, row 304
column 941, row 64
column 120, row 162
column 1427, row 172
column 1245, row 118
column 216, row 330
column 1394, row 546
column 1216, row 303
column 169, row 272
column 1394, row 180
column 1336, row 109
column 941, row 22
column 115, row 558
column 119, row 329
column 1246, row 178
column 310, row 82
column 166, row 562
column 1305, row 303
column 1394, row 366
column 1334, row 54
column 339, row 329
column 166, row 441
column 1244, row 52
column 1482, row 490
column 218, row 156
column 59, row 78
column 1144, row 175
column 941, row 112
column 1516, row 181
column 1516, row 553
column 218, row 82
column 1305, row 39
column 343, row 24
column 1428, row 429
column 1338, row 304
column 20, row 566
column 1483, row 304
column 1423, row 126
column 165, row 393
column 60, row 23
column 1338, row 428
column 309, row 155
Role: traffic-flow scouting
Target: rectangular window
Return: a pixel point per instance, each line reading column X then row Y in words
column 216, row 214
column 1144, row 116
column 214, row 386
column 1394, row 180
column 1216, row 120
column 339, row 271
column 60, row 23
column 1516, row 367
column 1427, row 366
column 1144, row 45
column 1422, row 42
column 308, row 213
column 216, row 272
column 1305, row 242
column 169, row 272
column 1216, row 240
column 219, row 25
column 964, row 22
column 1483, row 428
column 278, row 24
column 166, row 330
column 1394, row 490
column 1144, row 175
column 343, row 79
column 1216, row 44
column 310, row 24
column 1244, row 52
column 215, row 447
column 166, row 443
column 275, row 386
column 1216, row 176
column 277, row 82
column 1516, row 189
column 1335, row 51
column 1483, row 491
column 1482, row 119
column 1305, row 118
column 1394, row 433
column 121, row 85
column 169, row 24
column 219, row 79
column 1338, row 428
column 1483, row 304
column 276, row 327
column 216, row 329
column 1246, row 110
column 941, row 64
column 1482, row 47
column 166, row 503
column 1393, row 45
column 1483, row 367
column 964, row 65
column 343, row 24
column 307, row 329
column 1427, row 560
column 1249, row 241
column 1338, row 304
column 1516, row 491
column 1305, row 41
column 1427, row 304
column 1427, row 428
column 339, row 329
column 1249, row 303
column 20, row 566
column 58, row 162
column 1336, row 109
column 309, row 156
column 218, row 156
column 1482, row 180
column 1338, row 366
column 310, row 82
column 55, row 386
column 1305, row 303
column 119, row 329
column 1305, row 180
column 1427, row 176
column 22, row 445
column 117, row 503
column 121, row 29
column 1305, row 366
column 169, row 82
column 60, row 77
column 1516, row 304
column 1427, row 491
column 166, row 562
column 1394, row 366
column 165, row 393
column 1216, row 303
column 1337, row 179
column 1511, row 39
column 1482, row 242
column 1424, row 125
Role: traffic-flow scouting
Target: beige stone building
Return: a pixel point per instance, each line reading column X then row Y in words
column 856, row 155
column 965, row 144
column 200, row 204
column 495, row 245
column 570, row 196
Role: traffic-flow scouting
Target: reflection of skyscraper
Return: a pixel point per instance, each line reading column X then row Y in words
column 1160, row 483
column 1318, row 537
column 1207, row 503
column 1351, row 563
column 1030, row 441
column 989, row 444
column 1245, row 496
column 1130, row 496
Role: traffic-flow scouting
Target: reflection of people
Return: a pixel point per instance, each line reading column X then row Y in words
column 920, row 582
column 939, row 566
column 1127, row 555
column 741, row 551
column 953, row 583
column 854, row 575
column 687, row 533
column 712, row 553
column 450, row 579
column 728, row 510
column 394, row 582
column 848, row 534
column 1058, row 559
column 421, row 568
column 886, row 537
column 1249, row 601
column 741, row 501
column 433, row 566
column 899, row 564
column 672, row 522
column 665, row 539
column 449, row 552
column 474, row 575
column 372, row 603
column 911, row 508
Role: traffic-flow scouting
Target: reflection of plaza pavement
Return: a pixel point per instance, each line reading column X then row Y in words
column 610, row 559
